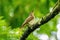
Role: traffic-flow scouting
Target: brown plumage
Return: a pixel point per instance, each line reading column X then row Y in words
column 28, row 19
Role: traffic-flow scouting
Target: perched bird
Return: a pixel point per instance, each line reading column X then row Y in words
column 29, row 20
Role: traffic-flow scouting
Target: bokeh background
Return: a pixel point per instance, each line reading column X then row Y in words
column 14, row 12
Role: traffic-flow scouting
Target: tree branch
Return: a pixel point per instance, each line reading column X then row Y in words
column 43, row 20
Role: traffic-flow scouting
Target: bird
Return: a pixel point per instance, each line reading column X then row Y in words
column 29, row 20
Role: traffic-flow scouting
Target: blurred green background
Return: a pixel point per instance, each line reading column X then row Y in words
column 14, row 12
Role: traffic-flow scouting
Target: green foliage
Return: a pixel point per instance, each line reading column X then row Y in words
column 32, row 37
column 14, row 12
column 6, row 33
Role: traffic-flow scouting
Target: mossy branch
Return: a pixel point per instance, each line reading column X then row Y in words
column 43, row 20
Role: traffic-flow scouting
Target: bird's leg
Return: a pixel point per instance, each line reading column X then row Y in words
column 29, row 26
